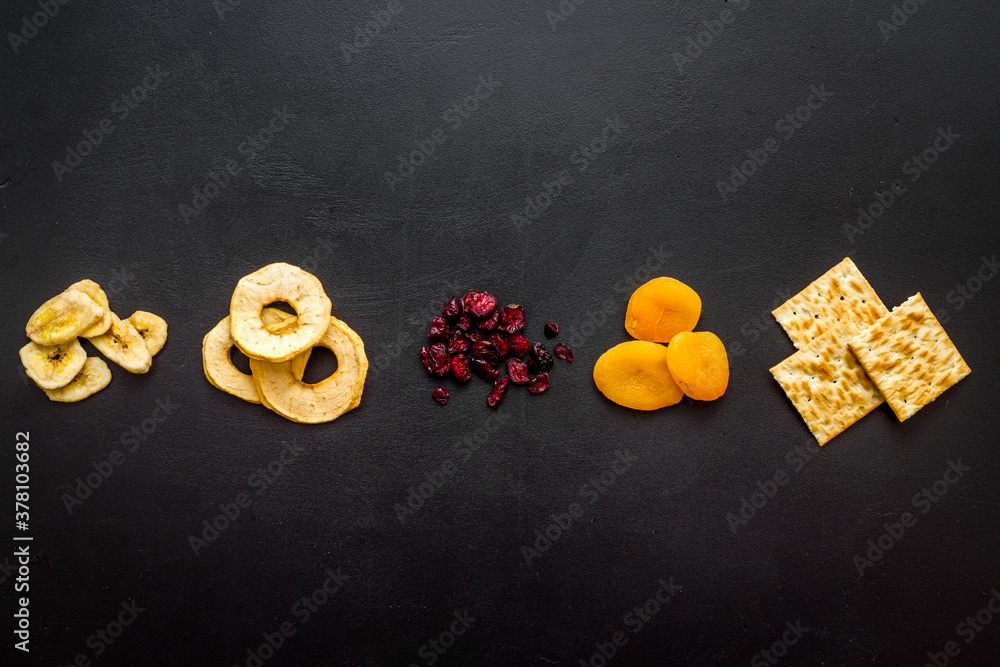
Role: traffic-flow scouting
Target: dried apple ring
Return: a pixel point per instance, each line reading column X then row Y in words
column 218, row 365
column 284, row 393
column 278, row 282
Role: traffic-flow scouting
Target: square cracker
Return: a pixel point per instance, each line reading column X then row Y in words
column 909, row 357
column 826, row 384
column 840, row 293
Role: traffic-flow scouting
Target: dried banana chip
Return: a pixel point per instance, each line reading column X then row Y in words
column 94, row 291
column 152, row 328
column 93, row 377
column 63, row 317
column 218, row 365
column 53, row 366
column 283, row 392
column 123, row 345
column 278, row 282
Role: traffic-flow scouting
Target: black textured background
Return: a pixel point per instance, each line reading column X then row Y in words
column 318, row 196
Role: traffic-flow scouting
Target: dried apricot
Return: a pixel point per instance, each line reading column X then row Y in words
column 699, row 364
column 635, row 374
column 660, row 309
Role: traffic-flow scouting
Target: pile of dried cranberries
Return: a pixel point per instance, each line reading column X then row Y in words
column 472, row 335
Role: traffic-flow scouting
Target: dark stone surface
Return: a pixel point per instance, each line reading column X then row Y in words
column 317, row 195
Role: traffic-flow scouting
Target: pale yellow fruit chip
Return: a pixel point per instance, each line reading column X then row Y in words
column 53, row 366
column 827, row 385
column 93, row 377
column 278, row 282
column 94, row 291
column 284, row 393
column 218, row 365
column 63, row 317
column 841, row 293
column 152, row 328
column 909, row 357
column 123, row 345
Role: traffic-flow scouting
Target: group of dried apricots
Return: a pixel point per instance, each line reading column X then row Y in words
column 643, row 374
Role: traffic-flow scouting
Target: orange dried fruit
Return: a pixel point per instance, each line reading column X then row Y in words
column 699, row 365
column 635, row 374
column 662, row 308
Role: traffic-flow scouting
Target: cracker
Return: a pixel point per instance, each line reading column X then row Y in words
column 826, row 384
column 909, row 357
column 840, row 293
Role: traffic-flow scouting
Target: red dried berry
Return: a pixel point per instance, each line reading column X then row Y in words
column 485, row 349
column 542, row 356
column 532, row 365
column 425, row 357
column 460, row 368
column 439, row 329
column 452, row 310
column 498, row 388
column 517, row 345
column 440, row 395
column 484, row 369
column 500, row 343
column 464, row 322
column 459, row 343
column 563, row 352
column 511, row 318
column 490, row 323
column 440, row 358
column 478, row 303
column 551, row 329
column 517, row 371
column 539, row 384
column 478, row 335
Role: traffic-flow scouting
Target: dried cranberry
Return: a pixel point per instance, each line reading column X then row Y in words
column 441, row 358
column 532, row 365
column 500, row 343
column 517, row 371
column 498, row 388
column 452, row 310
column 541, row 354
column 539, row 383
column 459, row 343
column 511, row 318
column 464, row 322
column 517, row 345
column 485, row 349
column 551, row 329
column 563, row 352
column 484, row 369
column 439, row 329
column 440, row 395
column 478, row 335
column 460, row 368
column 425, row 357
column 490, row 323
column 478, row 303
